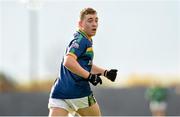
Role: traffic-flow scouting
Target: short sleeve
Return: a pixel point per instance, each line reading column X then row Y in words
column 77, row 47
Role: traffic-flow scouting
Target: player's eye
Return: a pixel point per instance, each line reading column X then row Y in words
column 90, row 21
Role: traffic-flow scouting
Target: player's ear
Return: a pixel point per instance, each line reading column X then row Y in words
column 80, row 24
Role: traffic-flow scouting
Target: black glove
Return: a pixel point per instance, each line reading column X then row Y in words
column 111, row 75
column 94, row 79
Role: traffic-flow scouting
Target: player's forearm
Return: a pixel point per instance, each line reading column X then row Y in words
column 95, row 69
column 73, row 66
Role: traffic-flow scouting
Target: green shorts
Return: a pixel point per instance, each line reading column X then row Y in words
column 72, row 104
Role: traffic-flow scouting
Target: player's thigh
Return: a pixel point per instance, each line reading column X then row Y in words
column 57, row 112
column 93, row 110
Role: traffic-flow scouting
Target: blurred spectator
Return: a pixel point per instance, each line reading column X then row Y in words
column 157, row 96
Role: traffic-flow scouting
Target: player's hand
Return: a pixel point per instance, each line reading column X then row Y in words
column 111, row 74
column 94, row 79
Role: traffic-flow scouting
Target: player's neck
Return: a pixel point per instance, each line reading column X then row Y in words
column 84, row 33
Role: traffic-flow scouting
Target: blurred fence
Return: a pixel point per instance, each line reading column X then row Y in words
column 113, row 102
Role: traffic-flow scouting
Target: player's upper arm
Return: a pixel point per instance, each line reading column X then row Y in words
column 69, row 59
column 71, row 63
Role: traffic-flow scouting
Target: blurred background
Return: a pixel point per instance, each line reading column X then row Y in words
column 140, row 38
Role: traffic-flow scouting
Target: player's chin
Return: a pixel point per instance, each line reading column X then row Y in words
column 93, row 33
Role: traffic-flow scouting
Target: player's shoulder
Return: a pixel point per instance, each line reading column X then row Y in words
column 78, row 37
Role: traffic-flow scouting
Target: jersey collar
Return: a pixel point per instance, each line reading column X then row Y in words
column 85, row 35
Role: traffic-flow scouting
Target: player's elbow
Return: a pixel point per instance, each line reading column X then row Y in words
column 68, row 61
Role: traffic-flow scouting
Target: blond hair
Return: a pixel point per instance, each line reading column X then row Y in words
column 86, row 11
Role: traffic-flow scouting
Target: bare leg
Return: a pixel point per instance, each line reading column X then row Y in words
column 57, row 112
column 90, row 111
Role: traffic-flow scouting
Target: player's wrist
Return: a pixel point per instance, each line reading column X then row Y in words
column 86, row 75
column 89, row 76
column 105, row 73
column 94, row 79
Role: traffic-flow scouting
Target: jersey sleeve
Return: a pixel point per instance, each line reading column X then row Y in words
column 77, row 47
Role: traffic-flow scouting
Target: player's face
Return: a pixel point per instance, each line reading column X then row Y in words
column 89, row 24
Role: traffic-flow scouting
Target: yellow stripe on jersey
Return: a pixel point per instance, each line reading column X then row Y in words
column 89, row 49
column 72, row 54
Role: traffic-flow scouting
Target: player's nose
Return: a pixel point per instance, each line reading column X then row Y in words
column 95, row 24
